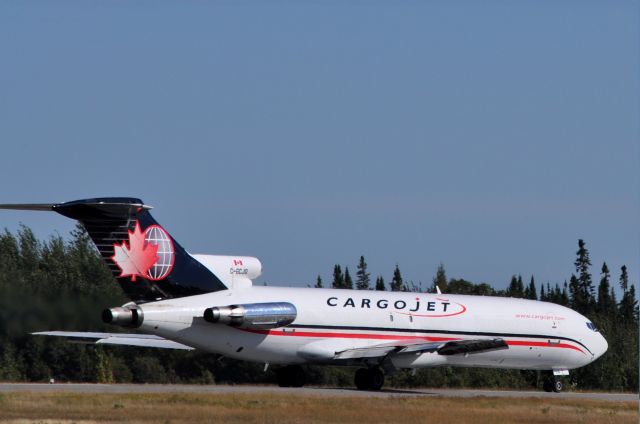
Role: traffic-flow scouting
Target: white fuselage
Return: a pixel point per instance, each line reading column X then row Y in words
column 540, row 335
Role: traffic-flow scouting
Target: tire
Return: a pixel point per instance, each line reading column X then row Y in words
column 291, row 376
column 361, row 379
column 282, row 377
column 376, row 379
column 558, row 386
column 297, row 376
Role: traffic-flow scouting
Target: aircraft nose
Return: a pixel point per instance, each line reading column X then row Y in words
column 600, row 347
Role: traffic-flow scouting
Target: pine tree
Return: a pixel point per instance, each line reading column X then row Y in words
column 348, row 282
column 576, row 295
column 338, row 278
column 380, row 284
column 396, row 282
column 624, row 278
column 318, row 282
column 440, row 280
column 530, row 292
column 605, row 302
column 633, row 305
column 516, row 288
column 628, row 304
column 520, row 287
column 543, row 296
column 362, row 276
column 631, row 363
column 612, row 295
column 627, row 328
column 587, row 292
column 564, row 296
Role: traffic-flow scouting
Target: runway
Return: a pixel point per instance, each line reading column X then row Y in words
column 306, row 391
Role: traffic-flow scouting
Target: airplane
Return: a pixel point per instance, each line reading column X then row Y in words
column 208, row 302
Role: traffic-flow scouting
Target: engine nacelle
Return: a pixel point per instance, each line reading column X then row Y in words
column 124, row 316
column 253, row 315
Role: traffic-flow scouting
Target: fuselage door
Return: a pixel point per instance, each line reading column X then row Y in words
column 555, row 329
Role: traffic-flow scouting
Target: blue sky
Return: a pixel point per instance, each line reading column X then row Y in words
column 487, row 135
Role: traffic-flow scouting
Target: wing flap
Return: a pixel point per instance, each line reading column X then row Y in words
column 421, row 347
column 122, row 339
column 454, row 347
column 365, row 352
column 458, row 347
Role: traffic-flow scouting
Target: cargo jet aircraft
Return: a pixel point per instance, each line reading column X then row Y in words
column 186, row 301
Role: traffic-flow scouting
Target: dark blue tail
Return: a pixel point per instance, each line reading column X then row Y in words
column 147, row 262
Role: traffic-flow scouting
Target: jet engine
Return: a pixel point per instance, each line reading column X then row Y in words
column 125, row 316
column 253, row 315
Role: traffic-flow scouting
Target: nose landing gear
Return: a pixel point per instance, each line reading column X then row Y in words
column 552, row 384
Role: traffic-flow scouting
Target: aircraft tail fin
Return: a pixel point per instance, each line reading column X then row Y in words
column 147, row 262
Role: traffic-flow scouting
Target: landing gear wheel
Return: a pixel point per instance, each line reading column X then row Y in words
column 291, row 376
column 282, row 377
column 369, row 379
column 376, row 379
column 361, row 379
column 552, row 384
column 557, row 386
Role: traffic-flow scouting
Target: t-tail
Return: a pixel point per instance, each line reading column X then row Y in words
column 147, row 262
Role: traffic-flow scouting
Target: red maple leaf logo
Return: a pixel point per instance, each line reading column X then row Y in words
column 137, row 258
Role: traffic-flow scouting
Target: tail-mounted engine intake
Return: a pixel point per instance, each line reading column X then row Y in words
column 253, row 315
column 125, row 316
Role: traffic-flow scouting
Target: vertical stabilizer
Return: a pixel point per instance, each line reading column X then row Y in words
column 146, row 261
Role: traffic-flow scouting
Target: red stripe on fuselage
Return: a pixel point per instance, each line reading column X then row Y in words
column 371, row 336
column 542, row 344
column 368, row 336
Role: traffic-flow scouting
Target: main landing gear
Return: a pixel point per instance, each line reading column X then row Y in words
column 369, row 379
column 291, row 376
column 552, row 384
column 365, row 378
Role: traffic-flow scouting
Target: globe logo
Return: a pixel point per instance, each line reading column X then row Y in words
column 166, row 254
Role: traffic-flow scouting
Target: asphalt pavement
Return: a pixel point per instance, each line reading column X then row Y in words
column 305, row 391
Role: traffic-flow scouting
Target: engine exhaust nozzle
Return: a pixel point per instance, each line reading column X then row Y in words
column 123, row 316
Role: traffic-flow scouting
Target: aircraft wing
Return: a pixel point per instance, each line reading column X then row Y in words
column 143, row 340
column 454, row 347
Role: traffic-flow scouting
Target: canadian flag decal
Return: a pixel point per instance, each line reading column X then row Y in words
column 149, row 254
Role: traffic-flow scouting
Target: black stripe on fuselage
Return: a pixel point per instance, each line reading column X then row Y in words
column 416, row 330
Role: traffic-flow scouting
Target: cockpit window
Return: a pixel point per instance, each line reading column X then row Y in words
column 592, row 326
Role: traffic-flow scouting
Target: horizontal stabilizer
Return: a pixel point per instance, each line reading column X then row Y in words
column 45, row 207
column 115, row 207
column 141, row 340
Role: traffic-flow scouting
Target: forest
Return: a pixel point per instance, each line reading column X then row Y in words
column 62, row 284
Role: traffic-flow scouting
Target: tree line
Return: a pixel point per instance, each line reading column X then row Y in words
column 59, row 284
